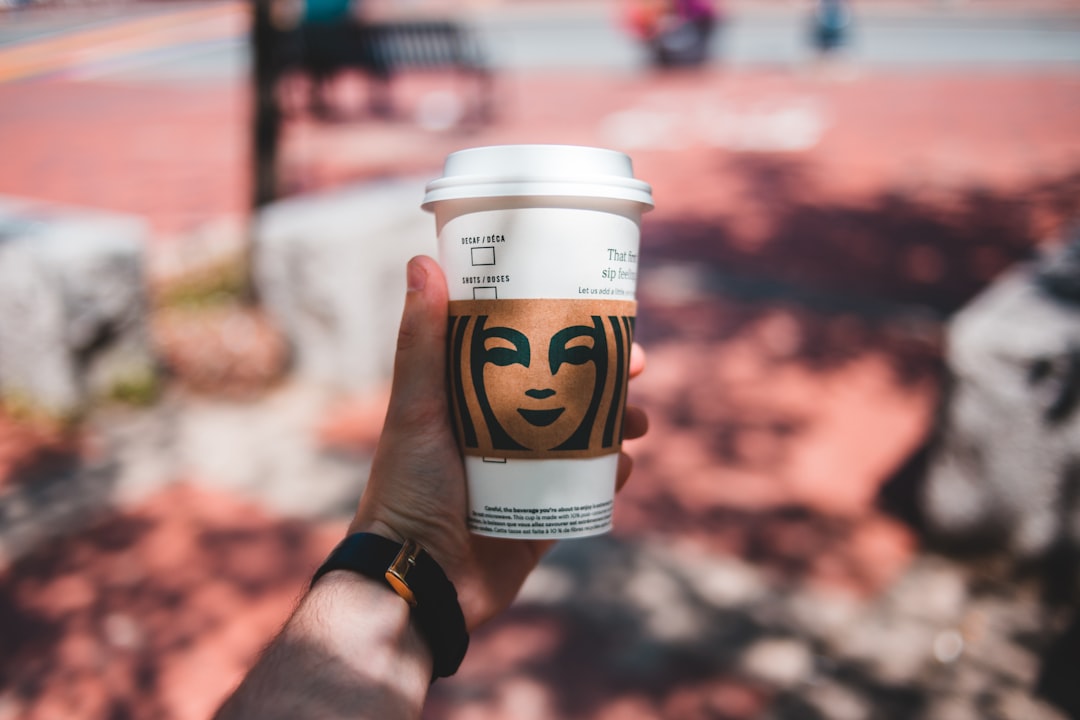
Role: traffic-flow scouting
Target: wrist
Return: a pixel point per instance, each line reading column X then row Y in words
column 376, row 527
column 421, row 586
column 325, row 663
column 387, row 637
column 439, row 543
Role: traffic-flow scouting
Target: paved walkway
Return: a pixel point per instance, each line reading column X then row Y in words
column 813, row 229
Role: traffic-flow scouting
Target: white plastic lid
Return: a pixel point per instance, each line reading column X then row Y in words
column 538, row 170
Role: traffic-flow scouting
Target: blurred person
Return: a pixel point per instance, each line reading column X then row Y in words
column 329, row 37
column 829, row 26
column 356, row 645
column 677, row 33
column 328, row 11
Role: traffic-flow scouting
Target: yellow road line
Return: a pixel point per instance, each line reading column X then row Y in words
column 58, row 53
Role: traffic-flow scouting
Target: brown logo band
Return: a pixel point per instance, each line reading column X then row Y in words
column 539, row 378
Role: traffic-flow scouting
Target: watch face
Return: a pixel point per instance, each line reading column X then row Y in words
column 400, row 587
column 540, row 378
column 398, row 571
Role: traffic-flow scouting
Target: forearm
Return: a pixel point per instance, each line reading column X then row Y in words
column 349, row 651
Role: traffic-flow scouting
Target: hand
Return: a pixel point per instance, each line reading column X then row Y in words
column 417, row 484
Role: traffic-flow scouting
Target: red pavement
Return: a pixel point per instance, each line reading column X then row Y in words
column 905, row 188
column 175, row 155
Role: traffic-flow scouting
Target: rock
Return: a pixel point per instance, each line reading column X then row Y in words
column 783, row 662
column 837, row 702
column 1009, row 441
column 226, row 444
column 931, row 591
column 330, row 269
column 667, row 611
column 828, row 616
column 73, row 309
column 1015, row 704
column 721, row 581
column 954, row 707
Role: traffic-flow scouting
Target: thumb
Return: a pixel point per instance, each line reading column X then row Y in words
column 418, row 392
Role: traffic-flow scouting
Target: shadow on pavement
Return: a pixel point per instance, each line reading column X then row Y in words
column 886, row 256
column 155, row 612
column 752, row 574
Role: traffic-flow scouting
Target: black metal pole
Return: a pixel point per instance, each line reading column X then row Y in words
column 265, row 131
column 266, row 116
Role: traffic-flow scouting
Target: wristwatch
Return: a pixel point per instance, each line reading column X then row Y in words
column 417, row 578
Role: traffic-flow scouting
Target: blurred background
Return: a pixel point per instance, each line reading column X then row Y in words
column 859, row 293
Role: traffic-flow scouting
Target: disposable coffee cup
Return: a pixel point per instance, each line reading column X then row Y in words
column 540, row 248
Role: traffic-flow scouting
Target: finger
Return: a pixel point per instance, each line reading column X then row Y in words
column 626, row 466
column 635, row 423
column 637, row 360
column 418, row 393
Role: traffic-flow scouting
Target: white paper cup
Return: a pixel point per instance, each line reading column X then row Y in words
column 540, row 245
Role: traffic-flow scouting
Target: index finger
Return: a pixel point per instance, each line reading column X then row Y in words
column 637, row 360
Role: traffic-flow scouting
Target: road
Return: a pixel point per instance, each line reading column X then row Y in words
column 208, row 41
column 590, row 37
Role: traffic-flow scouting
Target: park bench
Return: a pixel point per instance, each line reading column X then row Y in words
column 382, row 50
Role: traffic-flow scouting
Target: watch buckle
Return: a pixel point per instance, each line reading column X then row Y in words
column 399, row 570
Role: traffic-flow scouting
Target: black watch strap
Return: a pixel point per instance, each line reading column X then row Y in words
column 419, row 580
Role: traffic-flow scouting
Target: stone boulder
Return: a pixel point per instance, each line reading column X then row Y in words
column 330, row 270
column 1004, row 469
column 73, row 306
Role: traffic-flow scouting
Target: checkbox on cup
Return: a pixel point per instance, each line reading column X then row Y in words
column 483, row 256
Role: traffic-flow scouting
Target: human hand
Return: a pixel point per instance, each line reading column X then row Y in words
column 416, row 488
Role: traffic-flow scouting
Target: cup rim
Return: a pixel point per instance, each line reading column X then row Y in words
column 519, row 170
column 466, row 187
